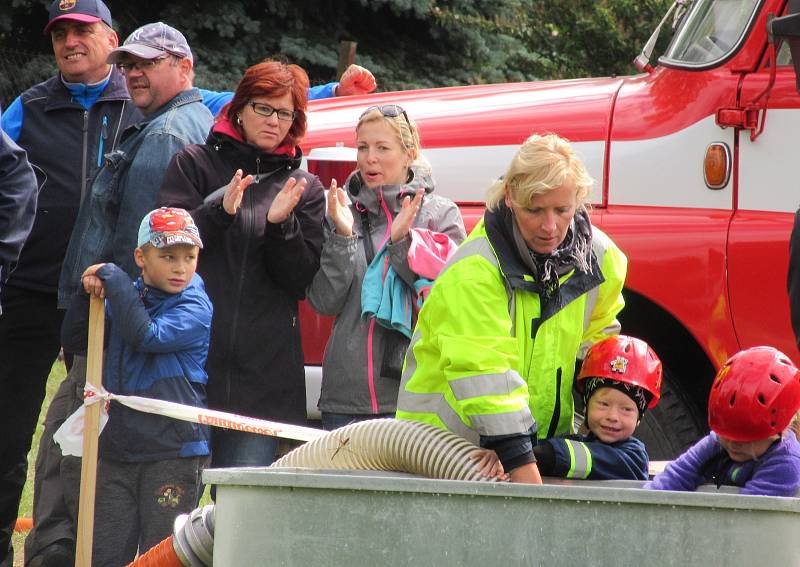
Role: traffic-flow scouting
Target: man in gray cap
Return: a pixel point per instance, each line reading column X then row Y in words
column 158, row 67
column 157, row 64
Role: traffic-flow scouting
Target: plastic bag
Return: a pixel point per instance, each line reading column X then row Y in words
column 70, row 435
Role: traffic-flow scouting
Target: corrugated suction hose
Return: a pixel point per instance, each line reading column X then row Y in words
column 389, row 445
column 190, row 545
column 377, row 445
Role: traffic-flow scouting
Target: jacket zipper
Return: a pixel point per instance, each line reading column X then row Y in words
column 85, row 152
column 118, row 130
column 248, row 216
column 551, row 431
column 371, row 331
column 103, row 138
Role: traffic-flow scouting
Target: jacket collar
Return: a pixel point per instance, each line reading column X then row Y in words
column 152, row 295
column 369, row 199
column 58, row 96
column 500, row 232
column 225, row 139
column 181, row 99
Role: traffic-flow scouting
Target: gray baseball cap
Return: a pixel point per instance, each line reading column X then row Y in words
column 151, row 41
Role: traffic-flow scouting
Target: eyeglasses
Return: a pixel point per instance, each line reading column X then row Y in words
column 267, row 110
column 388, row 110
column 141, row 65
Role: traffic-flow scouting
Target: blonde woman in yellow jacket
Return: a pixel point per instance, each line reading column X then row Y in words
column 496, row 345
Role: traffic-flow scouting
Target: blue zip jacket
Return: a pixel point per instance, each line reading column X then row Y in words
column 157, row 344
column 775, row 473
column 586, row 457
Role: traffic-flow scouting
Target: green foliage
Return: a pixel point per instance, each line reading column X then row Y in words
column 592, row 37
column 406, row 43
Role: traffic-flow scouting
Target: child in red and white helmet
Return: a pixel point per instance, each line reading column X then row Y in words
column 620, row 379
column 753, row 399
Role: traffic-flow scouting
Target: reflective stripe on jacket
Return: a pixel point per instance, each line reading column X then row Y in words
column 484, row 360
column 586, row 457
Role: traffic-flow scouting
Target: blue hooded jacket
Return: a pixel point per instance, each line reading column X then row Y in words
column 157, row 344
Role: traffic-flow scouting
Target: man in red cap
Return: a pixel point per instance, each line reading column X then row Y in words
column 65, row 124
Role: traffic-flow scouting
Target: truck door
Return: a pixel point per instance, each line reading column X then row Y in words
column 767, row 193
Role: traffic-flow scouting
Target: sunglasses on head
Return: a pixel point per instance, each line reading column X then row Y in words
column 387, row 110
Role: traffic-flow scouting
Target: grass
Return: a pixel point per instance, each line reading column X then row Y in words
column 57, row 374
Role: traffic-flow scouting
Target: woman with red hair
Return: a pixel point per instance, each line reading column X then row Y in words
column 261, row 218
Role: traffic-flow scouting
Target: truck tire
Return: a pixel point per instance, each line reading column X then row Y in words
column 671, row 427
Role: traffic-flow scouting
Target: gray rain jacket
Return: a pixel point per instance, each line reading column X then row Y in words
column 351, row 385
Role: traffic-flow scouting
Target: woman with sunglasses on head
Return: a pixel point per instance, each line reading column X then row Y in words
column 390, row 193
column 261, row 218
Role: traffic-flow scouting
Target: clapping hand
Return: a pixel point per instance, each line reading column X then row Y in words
column 232, row 199
column 338, row 211
column 405, row 218
column 286, row 200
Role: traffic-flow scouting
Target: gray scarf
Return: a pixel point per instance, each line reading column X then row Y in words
column 574, row 253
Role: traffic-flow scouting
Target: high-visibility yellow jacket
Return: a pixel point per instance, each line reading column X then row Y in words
column 485, row 360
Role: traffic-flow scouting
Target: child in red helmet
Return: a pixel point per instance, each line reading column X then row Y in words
column 753, row 400
column 620, row 378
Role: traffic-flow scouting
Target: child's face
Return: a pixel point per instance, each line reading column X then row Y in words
column 740, row 451
column 169, row 269
column 611, row 416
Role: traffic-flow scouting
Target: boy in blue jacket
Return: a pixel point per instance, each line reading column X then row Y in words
column 753, row 400
column 157, row 342
column 620, row 379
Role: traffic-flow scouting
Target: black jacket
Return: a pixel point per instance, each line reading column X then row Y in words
column 793, row 280
column 255, row 272
column 17, row 202
column 63, row 141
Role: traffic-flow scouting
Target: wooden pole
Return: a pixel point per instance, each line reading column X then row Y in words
column 347, row 56
column 91, row 431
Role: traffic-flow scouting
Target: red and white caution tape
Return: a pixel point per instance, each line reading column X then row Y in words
column 70, row 435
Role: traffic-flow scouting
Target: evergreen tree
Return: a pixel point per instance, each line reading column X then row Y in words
column 406, row 43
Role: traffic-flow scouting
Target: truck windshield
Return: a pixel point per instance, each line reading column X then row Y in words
column 710, row 30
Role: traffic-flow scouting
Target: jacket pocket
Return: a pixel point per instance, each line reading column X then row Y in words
column 105, row 187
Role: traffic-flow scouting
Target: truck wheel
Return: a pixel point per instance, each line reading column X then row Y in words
column 672, row 426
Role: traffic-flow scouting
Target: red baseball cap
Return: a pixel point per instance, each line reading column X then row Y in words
column 88, row 11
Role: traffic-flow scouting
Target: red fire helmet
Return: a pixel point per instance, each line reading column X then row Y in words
column 625, row 359
column 754, row 395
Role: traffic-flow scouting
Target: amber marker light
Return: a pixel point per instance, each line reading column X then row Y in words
column 717, row 165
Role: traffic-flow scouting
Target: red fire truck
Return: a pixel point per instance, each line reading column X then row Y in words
column 695, row 181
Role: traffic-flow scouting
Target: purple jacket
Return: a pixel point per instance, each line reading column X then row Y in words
column 775, row 473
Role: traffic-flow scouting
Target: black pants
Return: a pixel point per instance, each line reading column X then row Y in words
column 137, row 505
column 57, row 481
column 30, row 329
